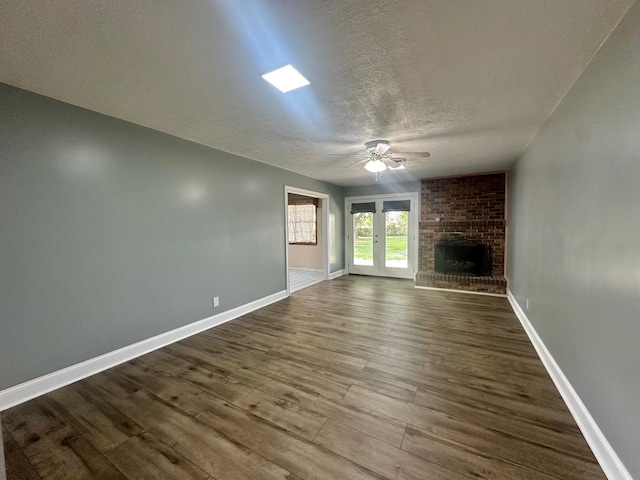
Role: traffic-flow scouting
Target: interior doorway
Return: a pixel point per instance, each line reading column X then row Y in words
column 307, row 238
column 381, row 235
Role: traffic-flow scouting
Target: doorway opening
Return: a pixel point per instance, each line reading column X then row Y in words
column 307, row 238
column 381, row 235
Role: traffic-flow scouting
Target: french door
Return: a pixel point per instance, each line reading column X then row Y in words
column 381, row 235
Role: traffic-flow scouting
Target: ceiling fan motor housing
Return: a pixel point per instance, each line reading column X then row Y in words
column 380, row 145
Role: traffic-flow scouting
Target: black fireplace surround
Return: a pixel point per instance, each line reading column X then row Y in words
column 463, row 257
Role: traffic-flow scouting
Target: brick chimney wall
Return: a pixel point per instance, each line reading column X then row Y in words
column 470, row 207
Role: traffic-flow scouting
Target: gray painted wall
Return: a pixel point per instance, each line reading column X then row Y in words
column 575, row 237
column 382, row 188
column 113, row 233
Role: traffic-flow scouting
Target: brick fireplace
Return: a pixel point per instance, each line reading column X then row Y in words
column 465, row 209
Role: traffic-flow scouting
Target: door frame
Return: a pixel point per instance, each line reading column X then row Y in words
column 415, row 196
column 324, row 199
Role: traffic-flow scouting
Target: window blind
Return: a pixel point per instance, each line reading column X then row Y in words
column 396, row 206
column 368, row 207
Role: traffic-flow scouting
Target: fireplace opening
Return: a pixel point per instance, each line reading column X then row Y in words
column 463, row 257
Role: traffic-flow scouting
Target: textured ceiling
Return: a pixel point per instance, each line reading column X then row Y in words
column 469, row 81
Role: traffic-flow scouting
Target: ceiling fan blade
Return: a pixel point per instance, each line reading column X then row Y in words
column 396, row 163
column 381, row 148
column 389, row 162
column 413, row 154
column 357, row 163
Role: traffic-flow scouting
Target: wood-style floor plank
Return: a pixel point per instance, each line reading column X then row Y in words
column 355, row 378
column 390, row 462
column 95, row 419
column 208, row 448
column 145, row 457
column 473, row 434
column 467, row 462
column 300, row 457
column 285, row 414
column 366, row 421
column 66, row 454
column 16, row 462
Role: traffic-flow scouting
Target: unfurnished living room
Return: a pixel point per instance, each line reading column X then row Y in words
column 295, row 240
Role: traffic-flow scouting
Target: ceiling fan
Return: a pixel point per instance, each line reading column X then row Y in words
column 378, row 157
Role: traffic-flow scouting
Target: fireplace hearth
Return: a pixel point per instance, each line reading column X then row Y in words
column 463, row 257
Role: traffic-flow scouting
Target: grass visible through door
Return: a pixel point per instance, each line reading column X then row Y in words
column 396, row 248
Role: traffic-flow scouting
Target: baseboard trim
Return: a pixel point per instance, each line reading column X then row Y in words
column 336, row 274
column 454, row 290
column 39, row 386
column 610, row 463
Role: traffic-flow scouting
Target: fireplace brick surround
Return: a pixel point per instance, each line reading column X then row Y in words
column 472, row 208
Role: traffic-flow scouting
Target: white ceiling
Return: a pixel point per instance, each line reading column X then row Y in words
column 469, row 81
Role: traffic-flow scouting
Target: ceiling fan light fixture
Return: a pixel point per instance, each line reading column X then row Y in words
column 375, row 166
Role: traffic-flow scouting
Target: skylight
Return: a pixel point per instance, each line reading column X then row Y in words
column 286, row 79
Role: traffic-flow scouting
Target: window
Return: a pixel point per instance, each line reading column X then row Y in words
column 302, row 220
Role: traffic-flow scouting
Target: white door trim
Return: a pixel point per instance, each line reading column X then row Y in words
column 415, row 196
column 324, row 198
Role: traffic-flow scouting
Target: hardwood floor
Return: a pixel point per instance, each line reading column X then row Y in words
column 355, row 378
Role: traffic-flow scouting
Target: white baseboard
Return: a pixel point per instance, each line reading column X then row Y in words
column 39, row 386
column 611, row 464
column 336, row 274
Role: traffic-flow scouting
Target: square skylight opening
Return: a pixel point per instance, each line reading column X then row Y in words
column 286, row 79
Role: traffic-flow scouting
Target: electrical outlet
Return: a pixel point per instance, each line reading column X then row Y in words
column 216, row 302
column 526, row 304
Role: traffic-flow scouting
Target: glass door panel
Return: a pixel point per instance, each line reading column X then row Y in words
column 363, row 239
column 396, row 239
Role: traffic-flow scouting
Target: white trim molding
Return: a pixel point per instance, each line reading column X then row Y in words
column 414, row 222
column 336, row 274
column 39, row 386
column 326, row 238
column 609, row 461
